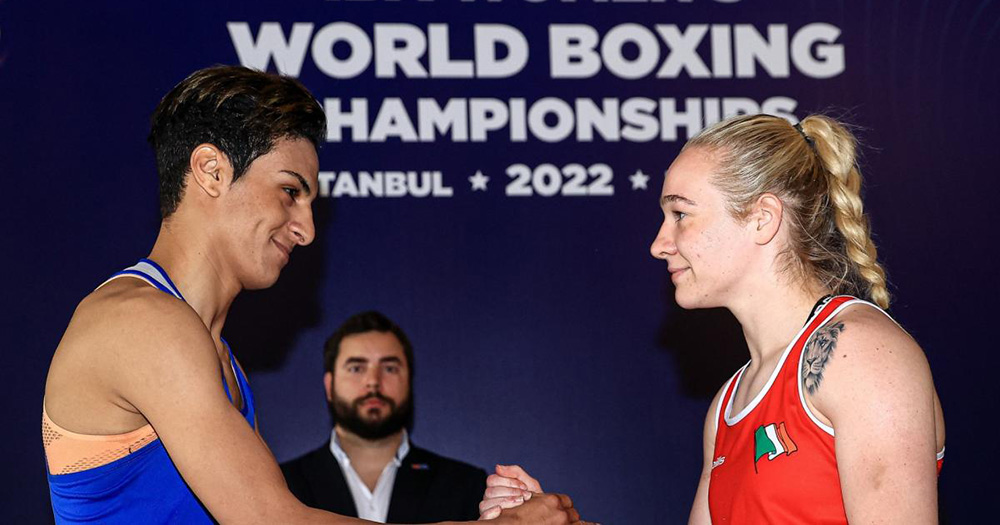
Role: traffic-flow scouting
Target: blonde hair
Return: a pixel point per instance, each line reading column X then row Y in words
column 813, row 169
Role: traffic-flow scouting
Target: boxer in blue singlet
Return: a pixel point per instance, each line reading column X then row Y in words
column 136, row 423
column 131, row 472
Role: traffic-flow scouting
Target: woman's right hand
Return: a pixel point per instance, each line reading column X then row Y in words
column 509, row 487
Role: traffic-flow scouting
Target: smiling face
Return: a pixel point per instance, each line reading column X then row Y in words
column 269, row 212
column 705, row 248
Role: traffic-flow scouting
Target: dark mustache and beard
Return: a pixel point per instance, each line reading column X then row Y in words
column 348, row 415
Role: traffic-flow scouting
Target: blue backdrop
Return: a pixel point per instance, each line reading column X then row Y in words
column 545, row 334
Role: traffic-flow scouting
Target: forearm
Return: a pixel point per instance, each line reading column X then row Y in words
column 295, row 513
column 699, row 510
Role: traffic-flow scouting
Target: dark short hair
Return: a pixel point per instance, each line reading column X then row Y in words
column 364, row 322
column 241, row 111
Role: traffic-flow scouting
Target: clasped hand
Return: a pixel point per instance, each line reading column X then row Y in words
column 512, row 493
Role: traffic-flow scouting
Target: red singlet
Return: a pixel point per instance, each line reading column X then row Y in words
column 774, row 461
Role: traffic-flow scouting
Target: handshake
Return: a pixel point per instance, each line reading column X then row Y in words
column 515, row 497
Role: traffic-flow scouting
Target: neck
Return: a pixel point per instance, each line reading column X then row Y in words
column 771, row 315
column 193, row 266
column 368, row 452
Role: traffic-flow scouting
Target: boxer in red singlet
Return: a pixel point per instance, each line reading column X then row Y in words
column 835, row 417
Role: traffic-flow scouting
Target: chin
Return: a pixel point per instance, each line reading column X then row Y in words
column 261, row 282
column 692, row 301
column 686, row 303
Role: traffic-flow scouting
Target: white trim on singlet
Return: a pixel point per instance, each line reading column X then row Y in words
column 730, row 420
column 145, row 271
column 798, row 373
column 725, row 389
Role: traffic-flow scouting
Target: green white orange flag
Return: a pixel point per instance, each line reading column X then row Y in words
column 772, row 440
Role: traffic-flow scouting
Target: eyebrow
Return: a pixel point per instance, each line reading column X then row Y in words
column 676, row 198
column 364, row 360
column 302, row 181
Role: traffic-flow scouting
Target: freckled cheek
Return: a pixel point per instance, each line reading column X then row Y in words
column 706, row 247
column 721, row 251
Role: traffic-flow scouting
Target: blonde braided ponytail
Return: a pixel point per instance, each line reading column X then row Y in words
column 836, row 148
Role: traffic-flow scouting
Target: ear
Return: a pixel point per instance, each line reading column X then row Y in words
column 765, row 218
column 328, row 385
column 210, row 169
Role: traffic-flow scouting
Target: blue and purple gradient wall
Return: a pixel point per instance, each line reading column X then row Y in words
column 545, row 334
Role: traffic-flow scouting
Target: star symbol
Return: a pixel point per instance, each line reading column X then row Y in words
column 639, row 180
column 479, row 181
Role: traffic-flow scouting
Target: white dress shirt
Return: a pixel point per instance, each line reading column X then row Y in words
column 372, row 506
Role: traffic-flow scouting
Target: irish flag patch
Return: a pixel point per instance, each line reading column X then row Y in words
column 772, row 441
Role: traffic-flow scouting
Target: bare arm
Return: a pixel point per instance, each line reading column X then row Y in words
column 169, row 371
column 872, row 382
column 699, row 510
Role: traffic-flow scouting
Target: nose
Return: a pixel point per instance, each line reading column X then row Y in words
column 663, row 244
column 302, row 225
column 373, row 378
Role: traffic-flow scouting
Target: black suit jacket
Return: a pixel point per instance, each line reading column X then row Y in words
column 428, row 488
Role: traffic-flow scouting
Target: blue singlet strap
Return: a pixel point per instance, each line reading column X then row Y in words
column 151, row 272
column 248, row 410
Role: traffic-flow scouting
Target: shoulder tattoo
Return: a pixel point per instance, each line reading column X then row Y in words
column 818, row 352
